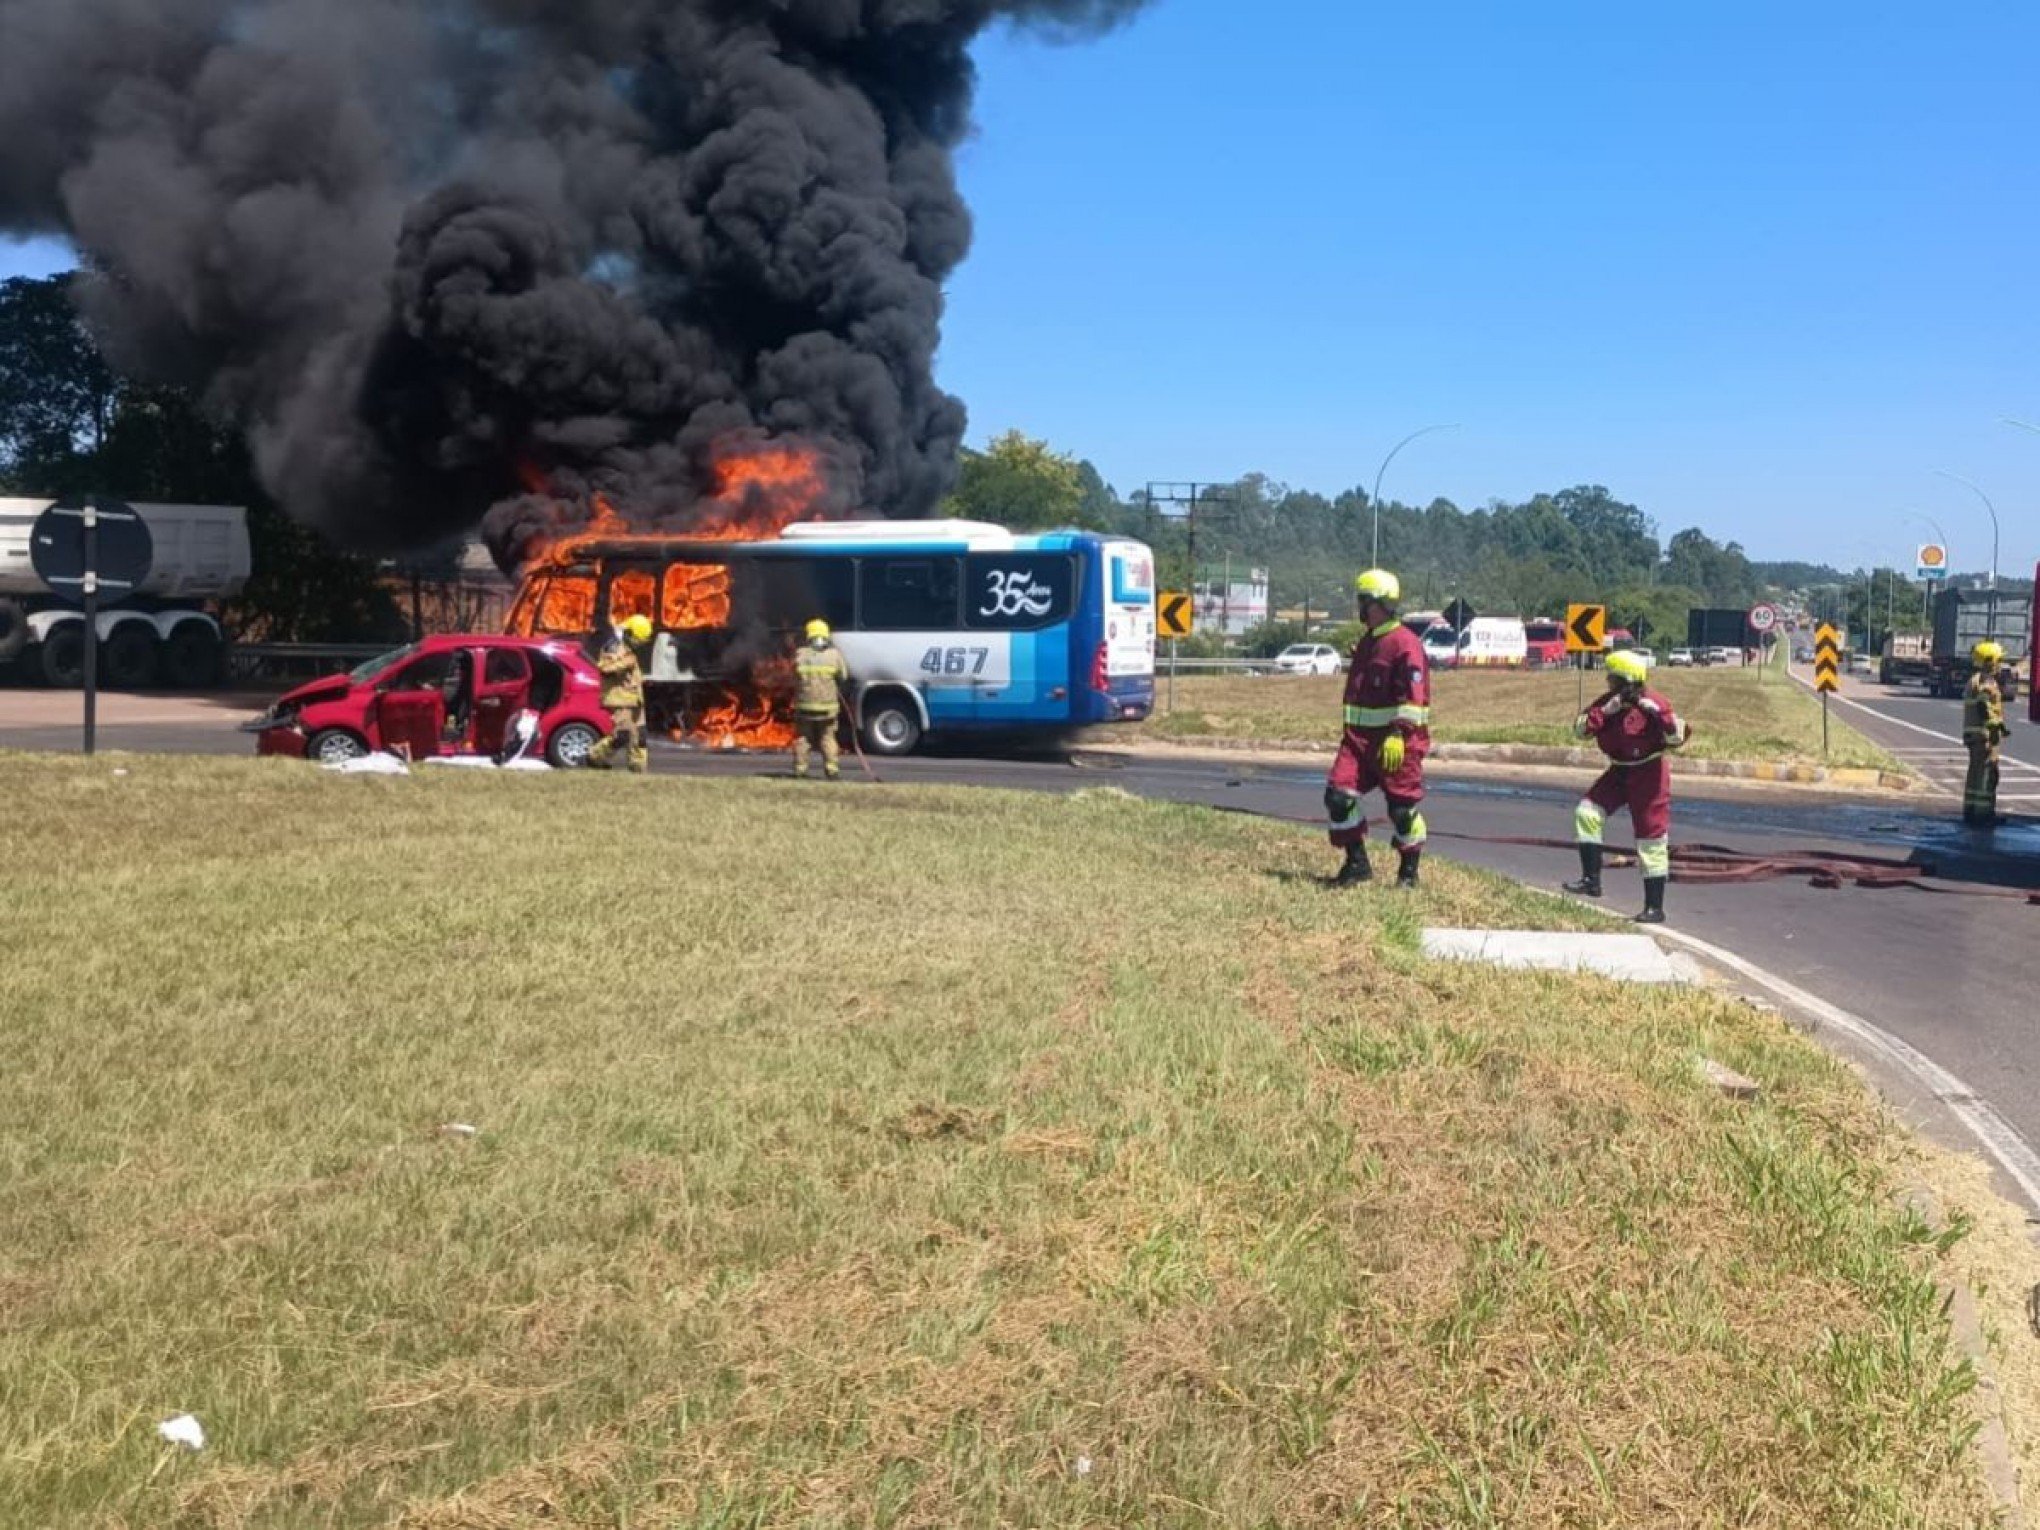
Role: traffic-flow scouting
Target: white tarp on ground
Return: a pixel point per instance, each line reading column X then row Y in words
column 1633, row 958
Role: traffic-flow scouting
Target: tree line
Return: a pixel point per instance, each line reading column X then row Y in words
column 1528, row 559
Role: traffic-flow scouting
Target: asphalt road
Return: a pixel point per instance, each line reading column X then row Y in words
column 1951, row 972
column 1926, row 735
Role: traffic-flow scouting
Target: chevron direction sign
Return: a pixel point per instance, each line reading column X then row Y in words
column 1827, row 659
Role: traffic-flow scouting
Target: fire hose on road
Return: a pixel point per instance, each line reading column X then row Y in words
column 1702, row 863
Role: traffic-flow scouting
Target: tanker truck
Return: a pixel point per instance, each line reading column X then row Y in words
column 165, row 633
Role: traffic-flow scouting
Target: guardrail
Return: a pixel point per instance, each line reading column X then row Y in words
column 282, row 661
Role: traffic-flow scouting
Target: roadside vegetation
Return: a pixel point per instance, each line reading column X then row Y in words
column 1734, row 715
column 913, row 1158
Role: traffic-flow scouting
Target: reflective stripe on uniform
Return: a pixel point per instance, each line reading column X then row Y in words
column 1588, row 821
column 1388, row 717
column 1655, row 856
column 1418, row 832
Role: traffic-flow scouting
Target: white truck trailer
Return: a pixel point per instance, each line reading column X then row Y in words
column 162, row 634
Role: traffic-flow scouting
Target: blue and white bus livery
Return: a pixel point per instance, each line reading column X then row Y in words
column 948, row 626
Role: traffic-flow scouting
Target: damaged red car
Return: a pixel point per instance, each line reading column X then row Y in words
column 451, row 695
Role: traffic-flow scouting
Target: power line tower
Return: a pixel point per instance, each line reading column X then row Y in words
column 1188, row 497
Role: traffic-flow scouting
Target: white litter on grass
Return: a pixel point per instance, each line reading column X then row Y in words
column 183, row 1430
column 371, row 765
column 459, row 1129
column 1632, row 958
column 120, row 772
column 1083, row 1466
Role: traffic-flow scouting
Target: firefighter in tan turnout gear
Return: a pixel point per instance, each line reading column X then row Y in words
column 1983, row 730
column 818, row 702
column 623, row 693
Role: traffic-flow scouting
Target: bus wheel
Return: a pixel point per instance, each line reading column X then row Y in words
column 891, row 726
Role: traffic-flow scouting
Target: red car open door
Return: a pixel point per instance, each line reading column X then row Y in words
column 505, row 690
column 411, row 711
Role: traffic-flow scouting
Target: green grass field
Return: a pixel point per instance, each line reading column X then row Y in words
column 866, row 1156
column 1734, row 716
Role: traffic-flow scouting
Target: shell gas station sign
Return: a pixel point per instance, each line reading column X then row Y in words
column 1933, row 561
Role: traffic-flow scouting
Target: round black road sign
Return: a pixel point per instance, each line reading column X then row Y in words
column 122, row 550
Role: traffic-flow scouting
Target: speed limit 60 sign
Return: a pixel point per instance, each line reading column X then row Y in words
column 1763, row 618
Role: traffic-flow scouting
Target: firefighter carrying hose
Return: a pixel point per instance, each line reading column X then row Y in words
column 623, row 693
column 1637, row 729
column 1387, row 734
column 1983, row 731
column 818, row 702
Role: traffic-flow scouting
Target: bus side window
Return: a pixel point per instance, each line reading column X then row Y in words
column 788, row 593
column 907, row 594
column 568, row 606
column 633, row 592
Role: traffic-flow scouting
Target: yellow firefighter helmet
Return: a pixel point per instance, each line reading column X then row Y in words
column 1629, row 667
column 638, row 628
column 1379, row 584
column 817, row 629
column 1988, row 653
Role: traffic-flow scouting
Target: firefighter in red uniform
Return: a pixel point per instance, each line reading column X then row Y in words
column 1388, row 733
column 1637, row 729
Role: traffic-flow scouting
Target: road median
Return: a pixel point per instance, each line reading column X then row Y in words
column 472, row 1149
column 1746, row 726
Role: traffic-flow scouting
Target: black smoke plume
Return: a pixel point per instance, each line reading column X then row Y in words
column 421, row 249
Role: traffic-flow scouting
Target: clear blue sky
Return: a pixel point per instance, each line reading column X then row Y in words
column 1762, row 268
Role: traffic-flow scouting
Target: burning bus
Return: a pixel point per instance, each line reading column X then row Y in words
column 948, row 626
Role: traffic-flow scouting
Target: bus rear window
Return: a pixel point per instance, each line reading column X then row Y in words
column 1018, row 592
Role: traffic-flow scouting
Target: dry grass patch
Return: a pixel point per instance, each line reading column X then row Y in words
column 887, row 1157
column 1735, row 716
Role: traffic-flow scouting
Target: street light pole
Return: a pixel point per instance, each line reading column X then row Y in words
column 1374, row 499
column 1973, row 489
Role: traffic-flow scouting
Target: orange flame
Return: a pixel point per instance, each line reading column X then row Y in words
column 758, row 493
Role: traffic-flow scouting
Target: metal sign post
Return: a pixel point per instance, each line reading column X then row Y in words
column 91, row 578
column 84, row 549
column 1763, row 621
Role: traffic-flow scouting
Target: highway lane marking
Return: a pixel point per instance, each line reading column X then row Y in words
column 1998, row 1137
column 1948, row 738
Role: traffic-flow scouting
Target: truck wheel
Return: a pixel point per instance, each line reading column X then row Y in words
column 129, row 657
column 13, row 630
column 191, row 657
column 891, row 726
column 63, row 656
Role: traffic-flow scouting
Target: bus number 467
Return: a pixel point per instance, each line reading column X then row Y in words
column 954, row 661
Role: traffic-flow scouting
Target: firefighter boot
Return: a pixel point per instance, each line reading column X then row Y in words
column 1406, row 874
column 1653, row 901
column 1588, row 884
column 1356, row 870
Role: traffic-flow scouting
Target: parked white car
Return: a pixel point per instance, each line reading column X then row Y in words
column 1441, row 645
column 1309, row 659
column 1681, row 658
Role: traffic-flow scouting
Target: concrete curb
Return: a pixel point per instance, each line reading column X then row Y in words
column 1787, row 773
column 1965, row 1327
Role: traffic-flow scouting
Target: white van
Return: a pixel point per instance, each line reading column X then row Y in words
column 1493, row 642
